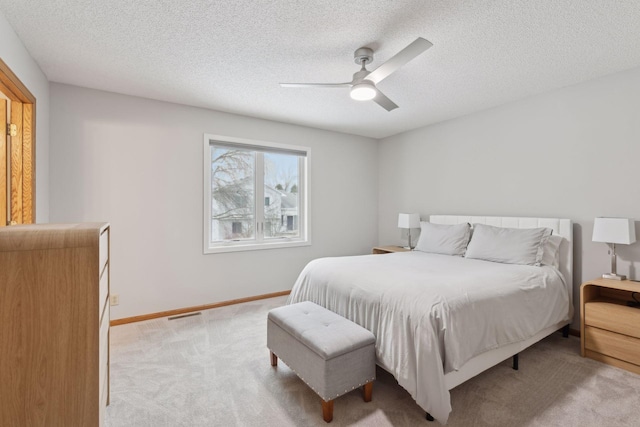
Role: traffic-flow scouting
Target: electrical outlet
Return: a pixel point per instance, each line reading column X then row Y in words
column 115, row 299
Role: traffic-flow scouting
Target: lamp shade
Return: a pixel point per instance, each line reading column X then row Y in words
column 411, row 220
column 614, row 230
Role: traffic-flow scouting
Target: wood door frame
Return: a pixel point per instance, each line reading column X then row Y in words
column 15, row 90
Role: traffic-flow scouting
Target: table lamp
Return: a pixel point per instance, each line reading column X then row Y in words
column 614, row 231
column 409, row 221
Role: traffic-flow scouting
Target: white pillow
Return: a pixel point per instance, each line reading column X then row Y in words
column 443, row 239
column 551, row 251
column 508, row 245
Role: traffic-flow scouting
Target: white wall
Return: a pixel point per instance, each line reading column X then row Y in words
column 137, row 163
column 571, row 153
column 14, row 54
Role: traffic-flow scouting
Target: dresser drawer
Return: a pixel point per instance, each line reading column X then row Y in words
column 104, row 250
column 104, row 363
column 103, row 293
column 612, row 344
column 613, row 317
column 104, row 395
column 104, row 344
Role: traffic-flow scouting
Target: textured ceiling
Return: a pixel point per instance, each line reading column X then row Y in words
column 231, row 55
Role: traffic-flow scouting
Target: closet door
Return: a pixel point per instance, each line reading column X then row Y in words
column 17, row 150
column 4, row 190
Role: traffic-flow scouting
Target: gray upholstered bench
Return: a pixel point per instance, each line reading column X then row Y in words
column 328, row 352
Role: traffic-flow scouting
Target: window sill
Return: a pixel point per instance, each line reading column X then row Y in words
column 240, row 247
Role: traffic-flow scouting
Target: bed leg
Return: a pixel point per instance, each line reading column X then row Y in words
column 274, row 359
column 429, row 417
column 515, row 362
column 565, row 331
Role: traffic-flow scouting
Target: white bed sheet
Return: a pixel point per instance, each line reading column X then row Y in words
column 431, row 313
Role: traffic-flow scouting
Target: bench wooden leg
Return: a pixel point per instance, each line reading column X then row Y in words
column 368, row 391
column 274, row 359
column 327, row 410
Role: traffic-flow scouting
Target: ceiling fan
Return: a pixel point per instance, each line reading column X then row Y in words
column 363, row 85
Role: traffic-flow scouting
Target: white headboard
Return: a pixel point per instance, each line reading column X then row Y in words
column 560, row 227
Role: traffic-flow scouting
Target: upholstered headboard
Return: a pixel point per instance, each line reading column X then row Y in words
column 560, row 227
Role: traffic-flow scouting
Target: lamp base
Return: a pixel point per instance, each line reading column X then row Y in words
column 613, row 276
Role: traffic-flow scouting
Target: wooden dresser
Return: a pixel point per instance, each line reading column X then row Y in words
column 54, row 324
column 609, row 329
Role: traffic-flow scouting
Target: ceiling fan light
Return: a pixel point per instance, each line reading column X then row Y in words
column 363, row 91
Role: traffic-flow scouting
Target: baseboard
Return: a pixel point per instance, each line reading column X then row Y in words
column 574, row 332
column 175, row 312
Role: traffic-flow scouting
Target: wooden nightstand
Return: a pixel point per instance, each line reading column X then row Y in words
column 388, row 249
column 609, row 329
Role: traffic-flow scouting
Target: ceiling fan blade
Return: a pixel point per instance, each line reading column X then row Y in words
column 414, row 49
column 384, row 102
column 315, row 84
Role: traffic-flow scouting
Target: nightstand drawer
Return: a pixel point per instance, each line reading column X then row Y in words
column 611, row 344
column 613, row 317
column 388, row 249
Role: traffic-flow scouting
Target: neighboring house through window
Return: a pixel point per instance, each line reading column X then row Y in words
column 236, row 228
column 255, row 194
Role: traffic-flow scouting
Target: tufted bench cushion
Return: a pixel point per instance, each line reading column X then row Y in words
column 330, row 353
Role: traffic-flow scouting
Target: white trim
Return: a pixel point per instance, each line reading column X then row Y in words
column 239, row 246
column 211, row 137
column 259, row 243
column 258, row 214
column 304, row 212
column 206, row 167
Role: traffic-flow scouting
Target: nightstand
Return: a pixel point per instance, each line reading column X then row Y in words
column 609, row 329
column 388, row 249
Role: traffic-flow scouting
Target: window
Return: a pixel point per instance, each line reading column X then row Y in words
column 255, row 195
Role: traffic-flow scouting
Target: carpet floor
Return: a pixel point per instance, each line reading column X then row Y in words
column 213, row 370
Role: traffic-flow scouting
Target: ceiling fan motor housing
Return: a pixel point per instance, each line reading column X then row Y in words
column 359, row 76
column 364, row 55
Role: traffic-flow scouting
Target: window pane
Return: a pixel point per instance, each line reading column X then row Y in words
column 281, row 183
column 232, row 194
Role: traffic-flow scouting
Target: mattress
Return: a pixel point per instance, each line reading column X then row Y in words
column 432, row 313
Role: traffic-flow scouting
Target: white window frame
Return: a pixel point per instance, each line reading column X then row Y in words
column 259, row 242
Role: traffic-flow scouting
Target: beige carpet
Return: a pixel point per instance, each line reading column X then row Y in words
column 213, row 370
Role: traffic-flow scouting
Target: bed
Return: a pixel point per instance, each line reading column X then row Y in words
column 439, row 319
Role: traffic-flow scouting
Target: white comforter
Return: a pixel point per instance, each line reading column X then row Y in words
column 432, row 313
